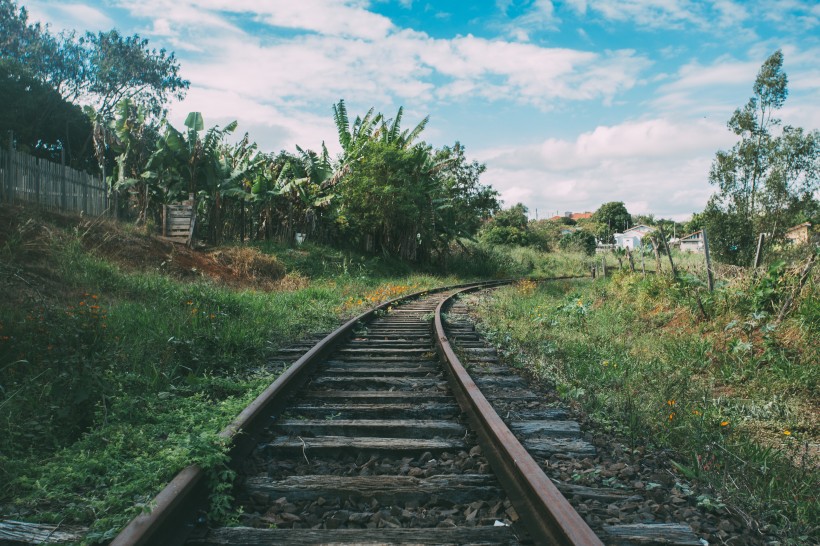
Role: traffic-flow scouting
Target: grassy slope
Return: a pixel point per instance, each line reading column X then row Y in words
column 121, row 358
column 733, row 400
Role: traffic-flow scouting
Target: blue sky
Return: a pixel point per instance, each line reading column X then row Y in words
column 569, row 103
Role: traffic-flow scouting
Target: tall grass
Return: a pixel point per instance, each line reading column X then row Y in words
column 111, row 381
column 732, row 399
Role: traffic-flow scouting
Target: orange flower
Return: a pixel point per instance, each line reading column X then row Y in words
column 724, row 423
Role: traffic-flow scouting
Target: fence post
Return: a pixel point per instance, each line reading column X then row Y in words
column 10, row 179
column 643, row 263
column 657, row 249
column 37, row 176
column 759, row 253
column 668, row 252
column 63, row 188
column 710, row 279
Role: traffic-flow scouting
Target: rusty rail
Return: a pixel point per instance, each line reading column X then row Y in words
column 547, row 515
column 175, row 508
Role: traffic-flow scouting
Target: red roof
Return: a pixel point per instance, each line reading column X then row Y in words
column 573, row 216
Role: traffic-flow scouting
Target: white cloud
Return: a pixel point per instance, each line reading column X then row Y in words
column 650, row 13
column 799, row 15
column 327, row 17
column 69, row 16
column 657, row 165
column 723, row 72
column 539, row 16
column 402, row 64
column 271, row 127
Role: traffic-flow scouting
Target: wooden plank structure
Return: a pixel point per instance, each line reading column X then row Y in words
column 52, row 186
column 178, row 221
column 37, row 533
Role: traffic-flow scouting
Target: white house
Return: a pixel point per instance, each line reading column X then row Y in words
column 692, row 242
column 631, row 238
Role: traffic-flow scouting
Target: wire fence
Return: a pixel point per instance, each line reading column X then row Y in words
column 27, row 179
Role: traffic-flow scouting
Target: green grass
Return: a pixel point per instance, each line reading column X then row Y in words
column 112, row 381
column 731, row 402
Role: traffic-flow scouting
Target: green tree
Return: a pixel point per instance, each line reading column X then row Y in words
column 307, row 183
column 42, row 122
column 134, row 141
column 385, row 201
column 697, row 222
column 200, row 163
column 508, row 227
column 461, row 203
column 30, row 47
column 768, row 179
column 117, row 67
column 611, row 218
column 98, row 70
column 397, row 195
column 579, row 241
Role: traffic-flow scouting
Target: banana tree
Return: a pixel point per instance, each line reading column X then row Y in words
column 307, row 180
column 390, row 131
column 191, row 158
column 134, row 140
column 228, row 176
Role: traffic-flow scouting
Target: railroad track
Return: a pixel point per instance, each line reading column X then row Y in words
column 379, row 435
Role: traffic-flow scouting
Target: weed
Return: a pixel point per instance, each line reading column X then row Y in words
column 722, row 393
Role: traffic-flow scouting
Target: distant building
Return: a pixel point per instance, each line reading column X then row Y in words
column 692, row 242
column 799, row 234
column 631, row 238
column 572, row 216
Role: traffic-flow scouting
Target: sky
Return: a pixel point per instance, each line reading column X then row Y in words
column 570, row 104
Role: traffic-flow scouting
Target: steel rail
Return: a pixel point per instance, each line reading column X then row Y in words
column 174, row 509
column 546, row 514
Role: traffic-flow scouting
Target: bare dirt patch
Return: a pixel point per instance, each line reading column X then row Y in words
column 28, row 238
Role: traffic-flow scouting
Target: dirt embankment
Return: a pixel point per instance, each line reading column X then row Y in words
column 29, row 240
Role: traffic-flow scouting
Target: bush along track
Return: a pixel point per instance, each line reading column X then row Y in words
column 720, row 410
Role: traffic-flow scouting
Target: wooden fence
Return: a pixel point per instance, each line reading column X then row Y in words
column 24, row 178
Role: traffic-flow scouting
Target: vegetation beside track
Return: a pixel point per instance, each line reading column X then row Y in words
column 121, row 360
column 731, row 398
